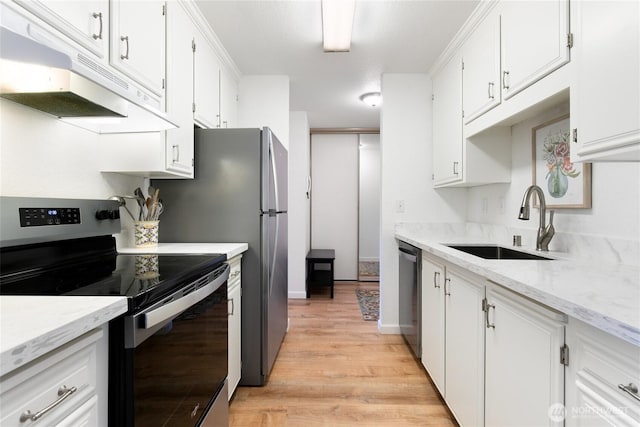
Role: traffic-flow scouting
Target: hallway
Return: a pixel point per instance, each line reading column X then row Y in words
column 334, row 369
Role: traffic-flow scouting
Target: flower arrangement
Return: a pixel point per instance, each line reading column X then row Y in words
column 555, row 152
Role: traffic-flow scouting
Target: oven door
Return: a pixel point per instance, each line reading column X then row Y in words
column 173, row 363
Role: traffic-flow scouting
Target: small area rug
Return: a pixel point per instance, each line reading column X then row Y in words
column 369, row 302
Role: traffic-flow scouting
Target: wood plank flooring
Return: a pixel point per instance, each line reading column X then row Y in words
column 335, row 369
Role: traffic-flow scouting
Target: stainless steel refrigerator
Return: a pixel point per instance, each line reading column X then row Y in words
column 239, row 194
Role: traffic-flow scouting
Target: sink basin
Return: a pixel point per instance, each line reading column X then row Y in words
column 495, row 252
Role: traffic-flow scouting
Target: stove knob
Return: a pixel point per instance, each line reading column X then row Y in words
column 102, row 214
column 114, row 214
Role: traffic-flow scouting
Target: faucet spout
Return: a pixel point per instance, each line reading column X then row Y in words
column 544, row 234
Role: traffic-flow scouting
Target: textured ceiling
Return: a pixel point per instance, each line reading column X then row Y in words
column 285, row 37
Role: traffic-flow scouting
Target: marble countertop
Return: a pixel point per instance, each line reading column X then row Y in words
column 32, row 326
column 230, row 249
column 606, row 296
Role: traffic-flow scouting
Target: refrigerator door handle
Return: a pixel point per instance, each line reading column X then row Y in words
column 275, row 254
column 272, row 157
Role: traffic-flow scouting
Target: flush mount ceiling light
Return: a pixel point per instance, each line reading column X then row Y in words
column 337, row 23
column 372, row 99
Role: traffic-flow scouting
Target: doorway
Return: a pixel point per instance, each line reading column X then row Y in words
column 345, row 201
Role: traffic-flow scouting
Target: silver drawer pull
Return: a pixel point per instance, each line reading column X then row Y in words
column 235, row 274
column 631, row 389
column 63, row 392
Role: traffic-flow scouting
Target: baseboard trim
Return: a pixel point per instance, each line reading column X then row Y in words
column 388, row 329
column 297, row 294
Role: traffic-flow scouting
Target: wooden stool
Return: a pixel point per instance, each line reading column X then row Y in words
column 324, row 277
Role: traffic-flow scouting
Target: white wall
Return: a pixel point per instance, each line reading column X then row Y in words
column 369, row 209
column 615, row 211
column 299, row 204
column 406, row 146
column 334, row 200
column 264, row 101
column 41, row 156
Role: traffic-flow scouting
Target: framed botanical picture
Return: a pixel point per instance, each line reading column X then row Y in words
column 564, row 184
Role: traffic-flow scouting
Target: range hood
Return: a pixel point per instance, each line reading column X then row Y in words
column 41, row 71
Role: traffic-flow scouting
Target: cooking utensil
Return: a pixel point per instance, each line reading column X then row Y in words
column 141, row 202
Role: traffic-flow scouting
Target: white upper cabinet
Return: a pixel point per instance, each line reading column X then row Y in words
column 228, row 100
column 535, row 41
column 605, row 91
column 85, row 22
column 481, row 71
column 179, row 96
column 206, row 94
column 447, row 119
column 138, row 41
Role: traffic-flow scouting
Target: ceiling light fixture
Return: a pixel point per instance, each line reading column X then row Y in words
column 337, row 23
column 372, row 99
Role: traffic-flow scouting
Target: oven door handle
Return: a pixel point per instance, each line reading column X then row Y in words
column 162, row 314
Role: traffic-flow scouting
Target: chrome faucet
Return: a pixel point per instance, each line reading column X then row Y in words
column 545, row 233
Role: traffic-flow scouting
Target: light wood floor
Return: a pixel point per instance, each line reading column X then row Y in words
column 334, row 369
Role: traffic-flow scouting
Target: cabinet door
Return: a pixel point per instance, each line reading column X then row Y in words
column 235, row 313
column 524, row 375
column 481, row 70
column 605, row 91
column 433, row 357
column 206, row 91
column 534, row 41
column 85, row 22
column 447, row 123
column 179, row 98
column 464, row 371
column 228, row 100
column 138, row 41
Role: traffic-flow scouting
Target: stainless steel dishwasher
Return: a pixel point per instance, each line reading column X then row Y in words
column 409, row 266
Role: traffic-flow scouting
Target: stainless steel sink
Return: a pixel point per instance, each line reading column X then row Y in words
column 495, row 252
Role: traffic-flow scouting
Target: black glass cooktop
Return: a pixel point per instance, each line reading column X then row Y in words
column 99, row 271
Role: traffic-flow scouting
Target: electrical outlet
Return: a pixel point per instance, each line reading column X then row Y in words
column 399, row 206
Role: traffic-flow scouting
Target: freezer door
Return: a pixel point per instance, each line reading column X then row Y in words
column 276, row 176
column 275, row 293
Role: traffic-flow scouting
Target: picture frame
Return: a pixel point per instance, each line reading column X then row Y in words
column 565, row 185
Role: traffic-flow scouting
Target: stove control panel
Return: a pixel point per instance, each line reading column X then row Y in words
column 34, row 217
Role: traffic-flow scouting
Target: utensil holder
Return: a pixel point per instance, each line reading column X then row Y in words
column 146, row 233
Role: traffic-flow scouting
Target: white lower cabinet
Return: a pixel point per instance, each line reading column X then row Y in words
column 234, row 296
column 495, row 357
column 603, row 379
column 524, row 376
column 39, row 387
column 464, row 347
column 433, row 321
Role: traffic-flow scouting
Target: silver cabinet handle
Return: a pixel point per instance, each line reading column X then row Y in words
column 233, row 307
column 486, row 307
column 63, row 393
column 98, row 15
column 436, row 279
column 631, row 389
column 218, row 121
column 455, row 168
column 176, row 153
column 125, row 39
column 447, row 280
column 490, row 90
column 225, row 124
column 235, row 274
column 505, row 76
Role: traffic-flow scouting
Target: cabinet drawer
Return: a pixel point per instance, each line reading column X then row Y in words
column 603, row 364
column 37, row 384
